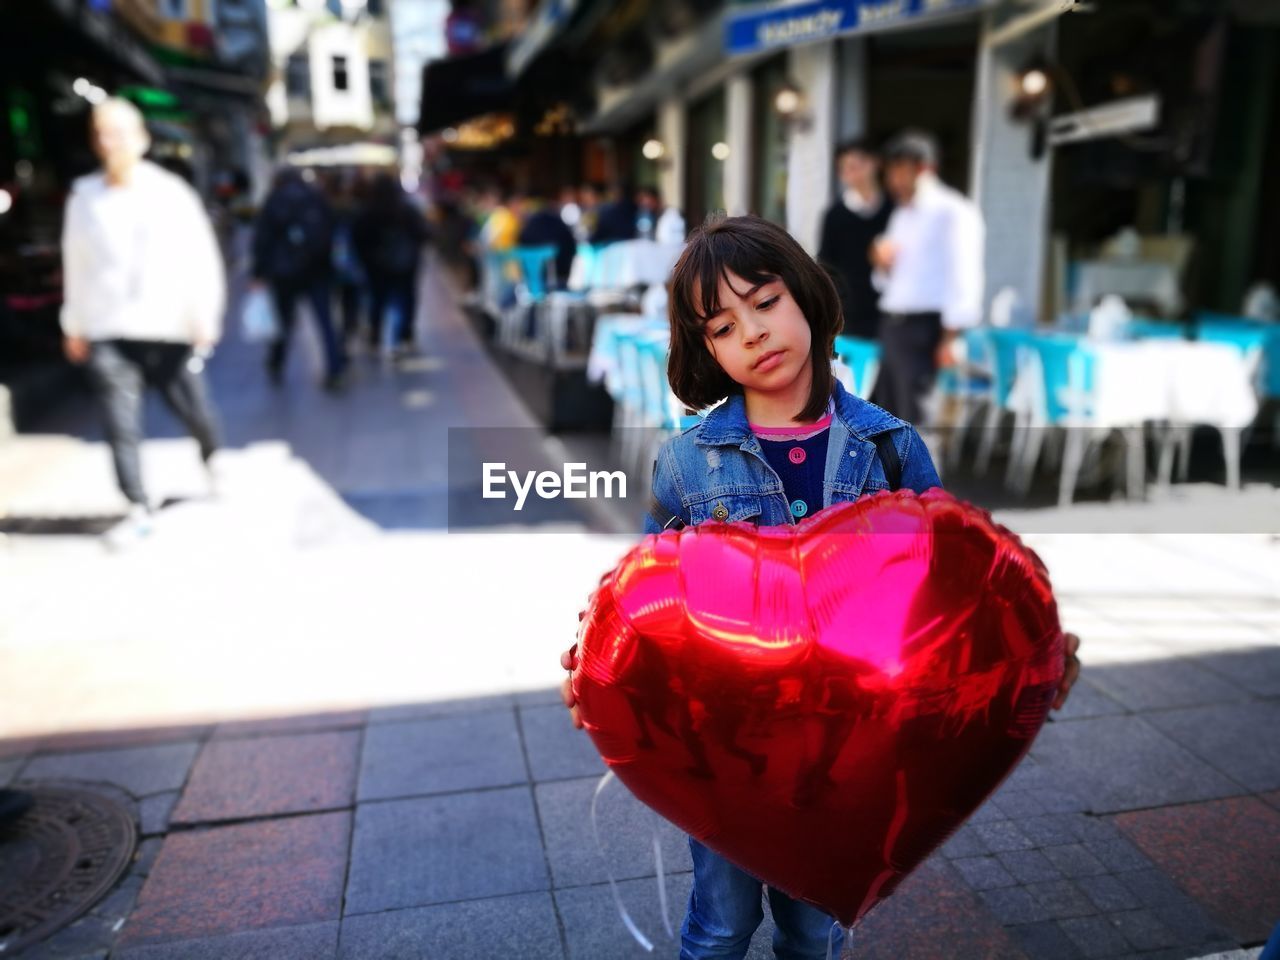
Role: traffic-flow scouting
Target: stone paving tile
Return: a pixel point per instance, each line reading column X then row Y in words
column 1223, row 853
column 270, row 775
column 1163, row 685
column 1054, row 829
column 1144, row 930
column 1019, row 803
column 139, row 770
column 271, row 873
column 1095, row 936
column 1238, row 740
column 1088, row 700
column 522, row 926
column 984, row 873
column 1029, row 866
column 1075, row 860
column 94, row 740
column 1045, row 941
column 307, row 723
column 933, row 915
column 464, row 751
column 1013, row 905
column 9, row 769
column 964, row 843
column 1123, row 763
column 1107, row 893
column 593, row 927
column 556, row 750
column 1001, row 835
column 1061, row 899
column 627, row 829
column 1272, row 798
column 411, row 853
column 316, row 941
column 1256, row 670
column 440, row 708
column 154, row 812
column 539, row 698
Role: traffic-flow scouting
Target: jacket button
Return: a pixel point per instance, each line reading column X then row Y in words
column 721, row 512
column 799, row 508
column 796, row 455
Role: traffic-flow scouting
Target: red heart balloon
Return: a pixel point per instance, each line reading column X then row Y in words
column 822, row 704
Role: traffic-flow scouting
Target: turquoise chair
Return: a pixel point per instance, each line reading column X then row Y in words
column 862, row 357
column 535, row 265
column 1000, row 349
column 1142, row 328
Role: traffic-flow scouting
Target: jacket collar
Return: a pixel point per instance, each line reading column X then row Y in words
column 727, row 424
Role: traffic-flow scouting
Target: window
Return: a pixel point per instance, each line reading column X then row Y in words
column 174, row 9
column 297, row 76
column 379, row 83
column 341, row 80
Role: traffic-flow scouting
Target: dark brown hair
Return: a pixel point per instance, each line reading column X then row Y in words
column 759, row 252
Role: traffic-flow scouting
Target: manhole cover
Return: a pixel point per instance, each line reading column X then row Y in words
column 58, row 860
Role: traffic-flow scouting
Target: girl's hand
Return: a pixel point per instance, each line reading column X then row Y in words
column 1071, row 670
column 569, row 660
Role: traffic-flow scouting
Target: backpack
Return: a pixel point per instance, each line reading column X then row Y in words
column 396, row 249
column 301, row 237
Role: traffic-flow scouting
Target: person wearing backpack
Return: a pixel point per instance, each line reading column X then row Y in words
column 292, row 255
column 388, row 235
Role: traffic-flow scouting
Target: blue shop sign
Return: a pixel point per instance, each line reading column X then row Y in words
column 763, row 27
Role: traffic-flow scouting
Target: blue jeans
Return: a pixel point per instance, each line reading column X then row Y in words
column 725, row 909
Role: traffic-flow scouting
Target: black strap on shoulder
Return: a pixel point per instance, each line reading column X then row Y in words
column 663, row 517
column 889, row 459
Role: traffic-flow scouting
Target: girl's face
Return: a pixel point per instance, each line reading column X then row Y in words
column 760, row 338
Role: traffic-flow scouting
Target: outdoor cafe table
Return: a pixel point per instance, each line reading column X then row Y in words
column 1170, row 381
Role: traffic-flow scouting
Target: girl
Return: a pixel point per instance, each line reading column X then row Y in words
column 753, row 323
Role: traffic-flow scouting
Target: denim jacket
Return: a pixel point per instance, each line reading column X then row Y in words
column 717, row 469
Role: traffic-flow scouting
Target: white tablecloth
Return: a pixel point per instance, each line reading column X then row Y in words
column 1181, row 382
column 1151, row 280
column 628, row 263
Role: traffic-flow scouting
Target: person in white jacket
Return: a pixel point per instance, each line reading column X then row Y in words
column 143, row 289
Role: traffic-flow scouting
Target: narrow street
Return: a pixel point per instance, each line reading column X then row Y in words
column 312, row 690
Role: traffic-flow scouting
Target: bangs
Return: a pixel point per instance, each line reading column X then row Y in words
column 711, row 257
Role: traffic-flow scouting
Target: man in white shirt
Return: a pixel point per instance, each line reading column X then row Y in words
column 144, row 291
column 930, row 273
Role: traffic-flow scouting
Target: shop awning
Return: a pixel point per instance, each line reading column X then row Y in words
column 459, row 88
column 756, row 27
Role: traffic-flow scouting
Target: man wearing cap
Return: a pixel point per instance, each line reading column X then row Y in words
column 930, row 272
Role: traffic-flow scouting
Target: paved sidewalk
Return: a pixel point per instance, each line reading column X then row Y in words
column 337, row 727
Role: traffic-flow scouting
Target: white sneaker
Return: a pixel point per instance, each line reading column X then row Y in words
column 133, row 529
column 216, row 476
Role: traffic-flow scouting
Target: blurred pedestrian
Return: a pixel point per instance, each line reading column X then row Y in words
column 350, row 279
column 850, row 226
column 293, row 255
column 931, row 274
column 389, row 233
column 543, row 226
column 648, row 208
column 571, row 210
column 616, row 218
column 590, row 197
column 143, row 295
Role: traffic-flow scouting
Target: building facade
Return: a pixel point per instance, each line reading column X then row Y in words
column 332, row 75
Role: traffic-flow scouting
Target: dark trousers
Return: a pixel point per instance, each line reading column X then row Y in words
column 908, row 362
column 120, row 371
column 319, row 294
column 396, row 296
column 350, row 301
